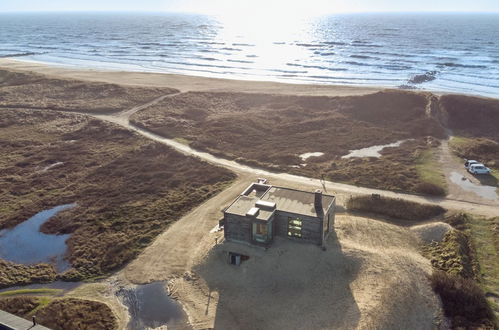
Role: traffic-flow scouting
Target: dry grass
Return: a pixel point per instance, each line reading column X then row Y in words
column 273, row 130
column 14, row 274
column 463, row 301
column 467, row 271
column 127, row 189
column 19, row 90
column 61, row 314
column 471, row 116
column 394, row 208
column 453, row 255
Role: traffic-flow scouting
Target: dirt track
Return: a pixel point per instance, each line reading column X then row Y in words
column 183, row 248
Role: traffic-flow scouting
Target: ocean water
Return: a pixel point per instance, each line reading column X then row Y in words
column 439, row 52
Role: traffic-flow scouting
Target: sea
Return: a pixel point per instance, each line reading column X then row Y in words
column 443, row 52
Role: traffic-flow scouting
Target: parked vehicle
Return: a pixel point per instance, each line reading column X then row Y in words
column 478, row 169
column 468, row 163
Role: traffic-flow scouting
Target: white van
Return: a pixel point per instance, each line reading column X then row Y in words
column 478, row 168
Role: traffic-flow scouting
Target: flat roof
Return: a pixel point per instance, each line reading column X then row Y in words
column 243, row 204
column 285, row 199
column 296, row 201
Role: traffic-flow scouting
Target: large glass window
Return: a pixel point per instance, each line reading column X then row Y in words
column 294, row 227
column 261, row 232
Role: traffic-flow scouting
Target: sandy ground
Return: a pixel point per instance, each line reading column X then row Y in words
column 452, row 163
column 363, row 279
column 182, row 82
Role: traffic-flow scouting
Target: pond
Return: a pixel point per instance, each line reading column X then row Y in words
column 307, row 155
column 487, row 192
column 373, row 151
column 150, row 306
column 25, row 244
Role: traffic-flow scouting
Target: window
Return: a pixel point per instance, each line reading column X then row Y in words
column 261, row 229
column 262, row 232
column 294, row 227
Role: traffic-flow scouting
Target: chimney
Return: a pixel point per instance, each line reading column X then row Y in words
column 318, row 203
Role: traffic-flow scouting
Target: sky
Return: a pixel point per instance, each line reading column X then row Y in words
column 249, row 7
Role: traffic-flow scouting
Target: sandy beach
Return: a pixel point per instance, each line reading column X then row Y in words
column 181, row 82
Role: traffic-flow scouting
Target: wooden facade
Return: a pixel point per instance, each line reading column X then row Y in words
column 244, row 224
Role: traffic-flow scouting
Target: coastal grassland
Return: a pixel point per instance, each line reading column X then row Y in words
column 394, row 208
column 61, row 313
column 272, row 131
column 41, row 291
column 22, row 90
column 16, row 274
column 127, row 188
column 466, row 263
column 472, row 117
column 429, row 171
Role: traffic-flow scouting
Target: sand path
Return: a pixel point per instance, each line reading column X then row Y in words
column 184, row 246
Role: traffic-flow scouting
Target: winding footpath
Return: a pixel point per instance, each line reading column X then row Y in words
column 122, row 118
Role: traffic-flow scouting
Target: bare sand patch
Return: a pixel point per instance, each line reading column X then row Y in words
column 362, row 280
column 431, row 232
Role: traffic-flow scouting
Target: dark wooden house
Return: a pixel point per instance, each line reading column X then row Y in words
column 264, row 211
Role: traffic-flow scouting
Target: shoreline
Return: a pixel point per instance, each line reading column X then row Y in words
column 186, row 83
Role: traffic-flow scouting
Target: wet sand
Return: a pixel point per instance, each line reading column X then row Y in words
column 181, row 82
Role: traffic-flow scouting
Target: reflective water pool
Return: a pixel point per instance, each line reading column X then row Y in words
column 25, row 244
column 373, row 151
column 150, row 306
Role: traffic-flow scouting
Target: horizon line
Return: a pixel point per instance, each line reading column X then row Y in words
column 214, row 14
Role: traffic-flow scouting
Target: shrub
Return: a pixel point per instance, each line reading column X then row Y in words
column 430, row 189
column 463, row 301
column 454, row 255
column 394, row 207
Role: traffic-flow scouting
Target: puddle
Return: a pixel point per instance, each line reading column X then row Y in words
column 150, row 306
column 307, row 155
column 487, row 192
column 25, row 244
column 373, row 151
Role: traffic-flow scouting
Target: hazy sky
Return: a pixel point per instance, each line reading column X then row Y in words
column 254, row 6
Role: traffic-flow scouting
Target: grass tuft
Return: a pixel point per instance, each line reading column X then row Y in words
column 463, row 301
column 42, row 291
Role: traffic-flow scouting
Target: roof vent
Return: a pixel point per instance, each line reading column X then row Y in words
column 253, row 212
column 265, row 204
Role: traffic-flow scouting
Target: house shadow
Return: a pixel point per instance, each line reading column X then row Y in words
column 290, row 285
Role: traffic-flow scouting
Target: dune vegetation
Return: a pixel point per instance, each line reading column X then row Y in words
column 21, row 90
column 61, row 313
column 16, row 274
column 272, row 131
column 127, row 189
column 467, row 271
column 394, row 208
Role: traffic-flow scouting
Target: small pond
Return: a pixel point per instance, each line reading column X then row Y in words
column 487, row 192
column 150, row 306
column 307, row 155
column 25, row 244
column 373, row 151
